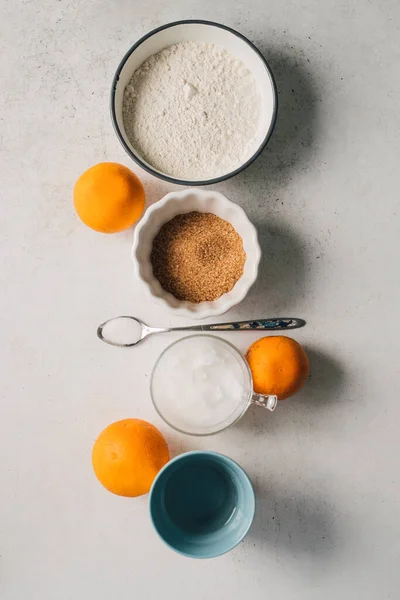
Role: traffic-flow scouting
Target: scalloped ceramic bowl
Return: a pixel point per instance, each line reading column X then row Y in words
column 176, row 203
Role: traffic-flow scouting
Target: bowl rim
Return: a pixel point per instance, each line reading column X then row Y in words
column 203, row 453
column 183, row 309
column 169, row 178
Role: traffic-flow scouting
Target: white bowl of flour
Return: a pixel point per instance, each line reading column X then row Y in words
column 193, row 102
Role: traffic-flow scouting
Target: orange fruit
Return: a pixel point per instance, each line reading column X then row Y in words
column 278, row 365
column 109, row 197
column 127, row 456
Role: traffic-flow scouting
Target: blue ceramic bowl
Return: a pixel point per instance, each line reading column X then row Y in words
column 202, row 504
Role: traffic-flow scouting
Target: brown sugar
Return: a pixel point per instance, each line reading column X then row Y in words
column 197, row 257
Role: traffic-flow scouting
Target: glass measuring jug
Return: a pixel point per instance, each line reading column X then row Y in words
column 202, row 384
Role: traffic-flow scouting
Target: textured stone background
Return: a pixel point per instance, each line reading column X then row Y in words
column 325, row 198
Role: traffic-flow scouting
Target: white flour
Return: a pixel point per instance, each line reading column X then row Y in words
column 192, row 111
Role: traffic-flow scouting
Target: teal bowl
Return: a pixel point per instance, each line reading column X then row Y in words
column 202, row 504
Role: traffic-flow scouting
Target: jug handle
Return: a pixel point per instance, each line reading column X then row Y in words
column 266, row 401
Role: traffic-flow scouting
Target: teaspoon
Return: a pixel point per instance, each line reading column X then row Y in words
column 136, row 330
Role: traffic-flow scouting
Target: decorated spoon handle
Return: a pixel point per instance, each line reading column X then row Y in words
column 263, row 324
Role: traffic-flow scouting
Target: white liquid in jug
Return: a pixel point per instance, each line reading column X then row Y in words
column 201, row 384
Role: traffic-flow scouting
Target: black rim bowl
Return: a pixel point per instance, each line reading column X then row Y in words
column 156, row 173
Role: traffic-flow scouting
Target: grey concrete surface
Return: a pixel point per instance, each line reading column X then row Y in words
column 325, row 197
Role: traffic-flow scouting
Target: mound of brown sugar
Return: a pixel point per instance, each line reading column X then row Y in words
column 197, row 257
